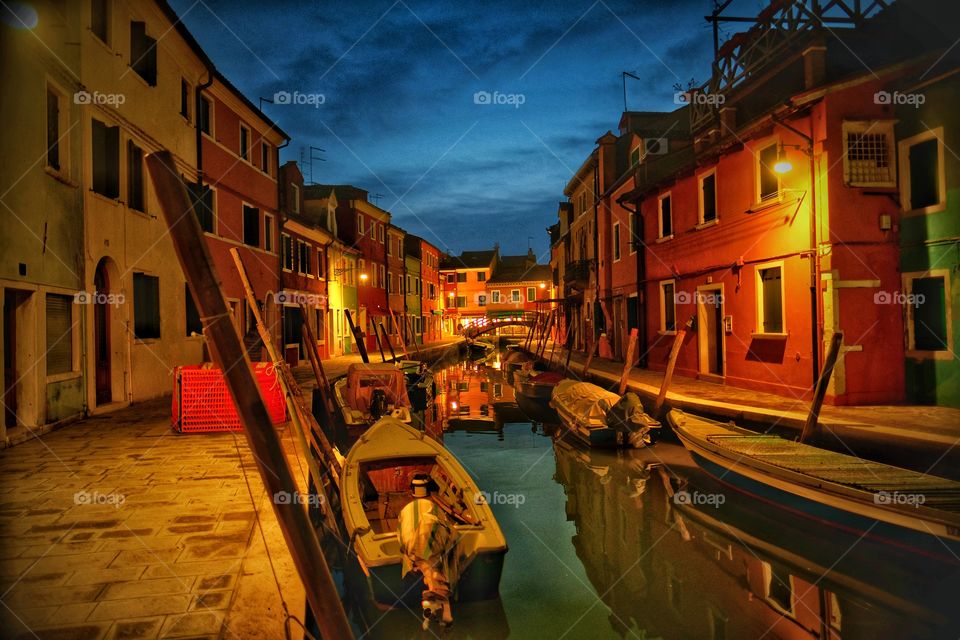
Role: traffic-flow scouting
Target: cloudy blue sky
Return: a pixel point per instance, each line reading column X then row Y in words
column 399, row 77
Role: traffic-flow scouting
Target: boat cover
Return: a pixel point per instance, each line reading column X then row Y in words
column 363, row 379
column 426, row 534
column 587, row 402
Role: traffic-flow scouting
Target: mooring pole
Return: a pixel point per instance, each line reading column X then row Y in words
column 323, row 385
column 386, row 338
column 227, row 352
column 357, row 337
column 628, row 362
column 376, row 335
column 668, row 374
column 820, row 391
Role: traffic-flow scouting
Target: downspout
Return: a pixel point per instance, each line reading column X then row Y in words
column 596, row 244
column 198, row 101
column 641, row 254
column 281, row 220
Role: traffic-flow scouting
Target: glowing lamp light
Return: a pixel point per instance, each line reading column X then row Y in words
column 543, row 285
column 782, row 165
column 20, row 15
column 363, row 277
column 453, row 405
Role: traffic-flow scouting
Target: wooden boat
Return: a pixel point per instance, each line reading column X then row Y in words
column 601, row 418
column 370, row 391
column 375, row 486
column 893, row 505
column 536, row 385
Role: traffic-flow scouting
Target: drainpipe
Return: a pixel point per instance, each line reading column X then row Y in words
column 596, row 242
column 641, row 277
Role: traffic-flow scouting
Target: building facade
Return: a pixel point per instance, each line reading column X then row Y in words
column 430, row 298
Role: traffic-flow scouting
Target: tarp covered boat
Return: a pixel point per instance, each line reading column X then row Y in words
column 371, row 391
column 601, row 418
column 375, row 487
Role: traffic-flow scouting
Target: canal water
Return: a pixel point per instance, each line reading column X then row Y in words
column 641, row 544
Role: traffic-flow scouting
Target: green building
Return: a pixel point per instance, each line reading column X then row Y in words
column 412, row 284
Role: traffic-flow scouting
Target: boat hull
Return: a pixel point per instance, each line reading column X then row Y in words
column 480, row 581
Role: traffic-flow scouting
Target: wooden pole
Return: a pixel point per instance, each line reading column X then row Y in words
column 542, row 347
column 386, row 338
column 668, row 375
column 227, row 352
column 591, row 348
column 570, row 339
column 357, row 337
column 628, row 362
column 376, row 335
column 533, row 326
column 396, row 327
column 820, row 391
column 323, row 385
column 413, row 336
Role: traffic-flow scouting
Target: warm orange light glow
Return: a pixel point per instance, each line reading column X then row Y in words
column 363, row 277
column 782, row 165
column 543, row 285
column 453, row 405
column 450, row 294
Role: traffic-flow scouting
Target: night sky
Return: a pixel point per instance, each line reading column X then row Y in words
column 399, row 78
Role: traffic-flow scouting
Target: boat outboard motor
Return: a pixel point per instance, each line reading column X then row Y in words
column 378, row 404
column 627, row 415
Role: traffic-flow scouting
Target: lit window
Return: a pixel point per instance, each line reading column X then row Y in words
column 768, row 182
column 770, row 299
column 868, row 154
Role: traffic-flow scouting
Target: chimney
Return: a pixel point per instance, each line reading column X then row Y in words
column 814, row 65
column 606, row 160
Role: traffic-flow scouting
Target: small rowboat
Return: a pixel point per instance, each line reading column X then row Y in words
column 893, row 505
column 375, row 486
column 601, row 418
column 370, row 391
column 537, row 385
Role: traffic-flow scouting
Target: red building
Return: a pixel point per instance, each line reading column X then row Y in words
column 431, row 305
column 518, row 284
column 238, row 162
column 363, row 226
column 395, row 275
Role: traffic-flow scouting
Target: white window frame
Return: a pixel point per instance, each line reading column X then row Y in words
column 283, row 243
column 701, row 211
column 758, row 169
column 869, row 126
column 903, row 146
column 912, row 351
column 246, row 158
column 515, row 296
column 210, row 116
column 360, row 225
column 63, row 128
column 660, row 199
column 758, row 284
column 615, row 238
column 268, row 224
column 265, row 159
column 295, row 198
column 382, row 240
column 663, row 308
column 495, row 296
column 531, row 298
column 767, row 579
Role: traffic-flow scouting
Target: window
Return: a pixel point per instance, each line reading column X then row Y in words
column 135, row 184
column 146, row 306
column 390, row 247
column 244, row 143
column 708, row 197
column 665, row 217
column 143, row 53
column 770, row 299
column 193, row 324
column 921, row 173
column 360, row 225
column 634, row 232
column 286, row 251
column 531, row 294
column 461, row 301
column 265, row 157
column 451, row 278
column 868, row 154
column 303, row 254
column 616, row 242
column 205, row 117
column 321, row 264
column 53, row 129
column 295, row 198
column 481, row 276
column 184, row 98
column 390, row 285
column 251, row 226
column 433, row 291
column 202, row 198
column 495, row 296
column 383, row 276
column 515, row 295
column 381, row 234
column 927, row 312
column 100, row 19
column 267, row 232
column 408, row 287
column 59, row 334
column 779, row 587
column 461, row 276
column 768, row 182
column 668, row 306
column 106, row 159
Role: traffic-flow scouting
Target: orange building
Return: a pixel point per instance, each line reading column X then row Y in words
column 465, row 286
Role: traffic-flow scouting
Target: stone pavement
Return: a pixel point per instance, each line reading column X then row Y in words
column 921, row 437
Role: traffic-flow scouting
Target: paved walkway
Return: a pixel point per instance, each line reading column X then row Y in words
column 921, row 437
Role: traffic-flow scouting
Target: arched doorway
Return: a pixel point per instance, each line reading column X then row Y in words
column 101, row 334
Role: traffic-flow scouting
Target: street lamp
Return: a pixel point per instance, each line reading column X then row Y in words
column 543, row 285
column 782, row 165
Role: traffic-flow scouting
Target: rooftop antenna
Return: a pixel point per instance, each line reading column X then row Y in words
column 529, row 242
column 376, row 196
column 307, row 156
column 623, row 77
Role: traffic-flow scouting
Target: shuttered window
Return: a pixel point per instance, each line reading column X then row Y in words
column 59, row 334
column 143, row 53
column 146, row 306
column 106, row 159
column 135, row 185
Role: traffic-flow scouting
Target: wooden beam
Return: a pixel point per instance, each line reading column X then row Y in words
column 227, row 352
column 413, row 336
column 396, row 327
column 386, row 338
column 668, row 375
column 628, row 362
column 323, row 384
column 820, row 390
column 357, row 337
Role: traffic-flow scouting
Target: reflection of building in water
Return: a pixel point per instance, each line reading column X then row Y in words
column 476, row 395
column 679, row 571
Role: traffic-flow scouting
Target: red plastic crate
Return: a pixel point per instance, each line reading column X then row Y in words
column 201, row 402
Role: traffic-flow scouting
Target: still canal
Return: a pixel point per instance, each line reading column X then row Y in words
column 641, row 544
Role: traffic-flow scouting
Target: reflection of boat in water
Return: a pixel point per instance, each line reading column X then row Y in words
column 371, row 391
column 601, row 418
column 533, row 390
column 375, row 487
column 683, row 567
column 894, row 505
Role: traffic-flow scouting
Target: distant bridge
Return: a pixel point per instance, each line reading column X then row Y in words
column 486, row 325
